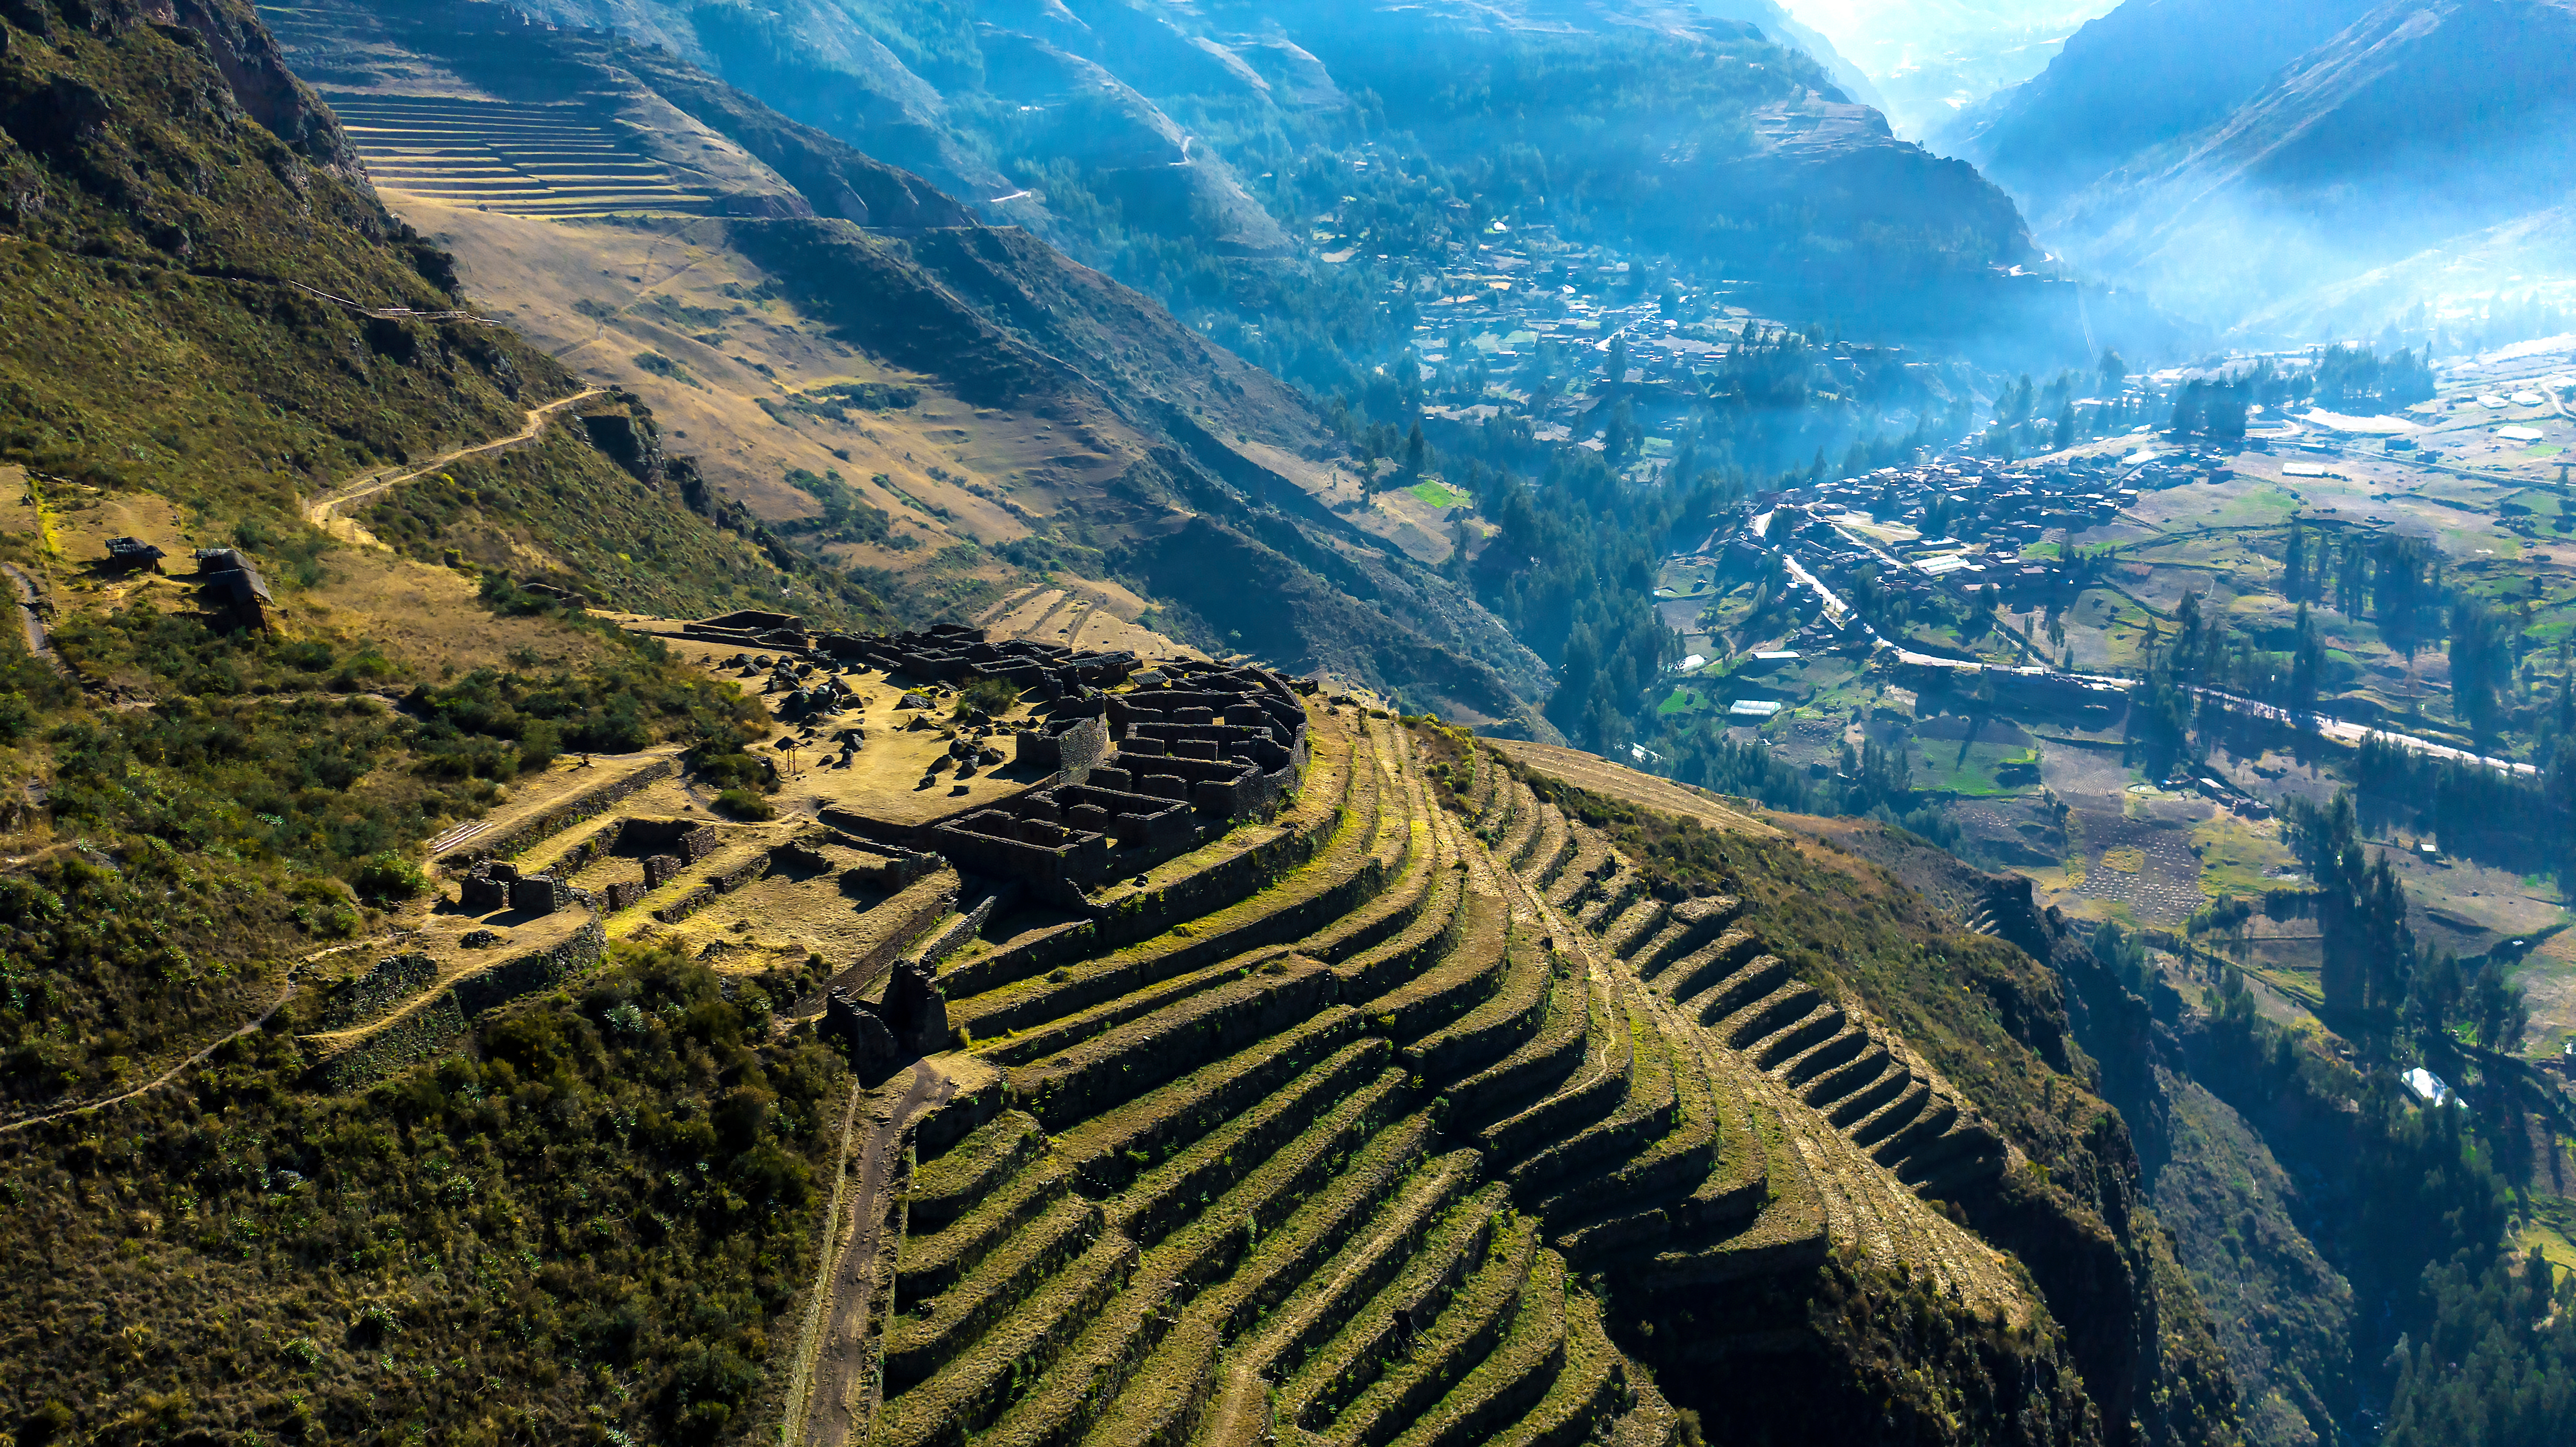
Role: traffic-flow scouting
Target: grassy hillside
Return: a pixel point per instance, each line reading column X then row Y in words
column 164, row 247
column 584, row 1229
column 819, row 314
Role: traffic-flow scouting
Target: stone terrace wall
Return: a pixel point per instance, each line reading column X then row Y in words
column 428, row 1030
column 587, row 804
column 705, row 894
column 393, row 980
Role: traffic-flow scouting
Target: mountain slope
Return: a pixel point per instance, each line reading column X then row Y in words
column 2417, row 123
column 2147, row 74
column 2241, row 166
column 170, row 256
column 1777, row 22
column 1170, row 141
column 1013, row 411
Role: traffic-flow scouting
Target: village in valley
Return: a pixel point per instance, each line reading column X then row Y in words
column 1985, row 611
column 1991, row 625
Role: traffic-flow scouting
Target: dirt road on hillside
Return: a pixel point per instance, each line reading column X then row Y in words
column 322, row 510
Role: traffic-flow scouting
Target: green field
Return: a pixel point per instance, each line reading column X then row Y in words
column 1978, row 771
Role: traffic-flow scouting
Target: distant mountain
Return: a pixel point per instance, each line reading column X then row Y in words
column 1191, row 456
column 1154, row 137
column 2146, row 75
column 2406, row 127
column 1779, row 24
column 1930, row 58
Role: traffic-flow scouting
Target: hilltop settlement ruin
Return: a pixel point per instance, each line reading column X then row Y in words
column 1230, row 1056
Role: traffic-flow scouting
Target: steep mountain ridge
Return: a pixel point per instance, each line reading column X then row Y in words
column 1117, row 127
column 2418, row 123
column 2141, row 77
column 751, row 330
column 2239, row 168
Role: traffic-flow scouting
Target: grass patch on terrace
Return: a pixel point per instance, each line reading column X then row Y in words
column 1844, row 922
column 1440, row 494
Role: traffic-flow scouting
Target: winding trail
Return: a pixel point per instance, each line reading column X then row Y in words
column 323, row 510
column 166, row 1076
column 175, row 1071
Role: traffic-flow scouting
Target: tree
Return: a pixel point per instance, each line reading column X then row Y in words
column 2114, row 372
column 2497, row 1006
column 1621, row 440
column 2307, row 663
column 1416, row 452
column 2481, row 662
column 2367, row 948
column 2065, row 427
column 1981, row 615
column 2224, row 417
column 2190, row 408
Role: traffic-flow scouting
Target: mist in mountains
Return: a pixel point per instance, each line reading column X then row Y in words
column 1929, row 61
column 2291, row 172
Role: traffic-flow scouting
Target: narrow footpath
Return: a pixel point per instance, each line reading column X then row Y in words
column 323, row 511
column 841, row 1404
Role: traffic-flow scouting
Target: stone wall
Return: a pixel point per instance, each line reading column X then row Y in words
column 431, row 1028
column 391, row 981
column 585, row 805
column 706, row 892
column 1072, row 747
column 1037, row 852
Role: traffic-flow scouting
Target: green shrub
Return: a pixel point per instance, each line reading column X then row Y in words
column 736, row 769
column 991, row 696
column 744, row 804
column 387, row 876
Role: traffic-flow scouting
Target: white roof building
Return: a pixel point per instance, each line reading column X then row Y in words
column 2427, row 1086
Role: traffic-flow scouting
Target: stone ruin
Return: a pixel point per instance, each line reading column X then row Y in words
column 132, row 555
column 231, row 589
column 495, row 886
column 751, row 627
column 947, row 653
column 881, row 1038
column 953, row 653
column 1206, row 745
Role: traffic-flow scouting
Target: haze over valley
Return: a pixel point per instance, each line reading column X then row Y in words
column 1211, row 722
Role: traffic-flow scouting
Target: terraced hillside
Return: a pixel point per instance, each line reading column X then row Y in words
column 1367, row 1124
column 549, row 162
column 426, row 133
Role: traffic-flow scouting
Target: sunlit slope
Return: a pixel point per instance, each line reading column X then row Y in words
column 1313, row 1133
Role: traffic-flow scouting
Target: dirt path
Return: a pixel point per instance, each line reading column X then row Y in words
column 166, row 1076
column 843, row 1399
column 28, row 620
column 324, row 509
column 175, row 1071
